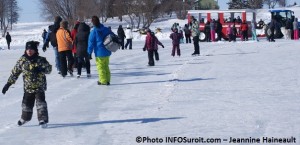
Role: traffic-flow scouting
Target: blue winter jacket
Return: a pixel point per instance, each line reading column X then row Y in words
column 96, row 41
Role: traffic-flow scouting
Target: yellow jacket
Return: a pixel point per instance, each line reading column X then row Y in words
column 64, row 40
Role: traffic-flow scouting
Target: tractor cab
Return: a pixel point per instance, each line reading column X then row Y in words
column 281, row 17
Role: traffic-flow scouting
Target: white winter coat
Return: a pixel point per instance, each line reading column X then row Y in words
column 128, row 33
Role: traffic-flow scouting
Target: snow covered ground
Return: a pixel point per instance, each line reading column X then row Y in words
column 239, row 90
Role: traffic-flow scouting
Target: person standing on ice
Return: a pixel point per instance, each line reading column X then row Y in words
column 129, row 37
column 121, row 35
column 96, row 37
column 34, row 68
column 8, row 40
column 253, row 30
column 229, row 33
column 244, row 29
column 195, row 34
column 187, row 33
column 175, row 36
column 212, row 31
column 272, row 29
column 296, row 30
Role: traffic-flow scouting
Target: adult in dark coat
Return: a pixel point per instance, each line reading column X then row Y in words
column 187, row 33
column 8, row 40
column 207, row 31
column 272, row 29
column 52, row 39
column 81, row 42
column 121, row 35
column 219, row 30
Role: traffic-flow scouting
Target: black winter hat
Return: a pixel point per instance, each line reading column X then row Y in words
column 32, row 45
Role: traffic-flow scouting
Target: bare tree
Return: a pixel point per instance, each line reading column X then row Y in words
column 282, row 3
column 3, row 10
column 271, row 3
column 64, row 8
column 12, row 12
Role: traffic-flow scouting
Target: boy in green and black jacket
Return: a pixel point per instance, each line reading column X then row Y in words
column 34, row 68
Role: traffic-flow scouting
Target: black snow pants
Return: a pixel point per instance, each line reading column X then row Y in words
column 150, row 57
column 28, row 104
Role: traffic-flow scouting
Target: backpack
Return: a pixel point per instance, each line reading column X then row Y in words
column 111, row 42
column 52, row 37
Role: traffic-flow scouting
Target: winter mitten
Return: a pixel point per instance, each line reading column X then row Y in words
column 5, row 88
column 37, row 70
column 162, row 46
column 144, row 49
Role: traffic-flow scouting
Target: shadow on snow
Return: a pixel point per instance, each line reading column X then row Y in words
column 143, row 120
column 172, row 80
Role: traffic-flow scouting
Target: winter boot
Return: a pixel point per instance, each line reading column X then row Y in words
column 43, row 124
column 21, row 122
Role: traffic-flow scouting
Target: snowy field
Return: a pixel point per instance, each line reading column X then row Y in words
column 233, row 90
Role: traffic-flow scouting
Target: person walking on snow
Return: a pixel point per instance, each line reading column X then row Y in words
column 81, row 43
column 51, row 37
column 73, row 35
column 64, row 44
column 121, row 35
column 129, row 37
column 96, row 37
column 34, row 68
column 8, row 40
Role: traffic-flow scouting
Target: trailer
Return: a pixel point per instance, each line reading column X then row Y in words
column 246, row 15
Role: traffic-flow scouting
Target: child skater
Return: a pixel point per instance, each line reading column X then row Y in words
column 156, row 43
column 175, row 36
column 151, row 43
column 34, row 68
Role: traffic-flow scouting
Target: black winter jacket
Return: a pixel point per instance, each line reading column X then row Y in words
column 81, row 40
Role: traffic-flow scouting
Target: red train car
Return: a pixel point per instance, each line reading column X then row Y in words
column 204, row 15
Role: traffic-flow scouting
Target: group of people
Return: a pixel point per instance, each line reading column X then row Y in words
column 127, row 34
column 35, row 67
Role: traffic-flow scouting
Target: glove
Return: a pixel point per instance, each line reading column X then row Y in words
column 37, row 70
column 5, row 88
column 144, row 49
column 162, row 46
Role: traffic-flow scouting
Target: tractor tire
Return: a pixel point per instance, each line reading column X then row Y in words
column 202, row 36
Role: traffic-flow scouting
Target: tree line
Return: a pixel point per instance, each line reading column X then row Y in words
column 9, row 14
column 256, row 4
column 137, row 13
